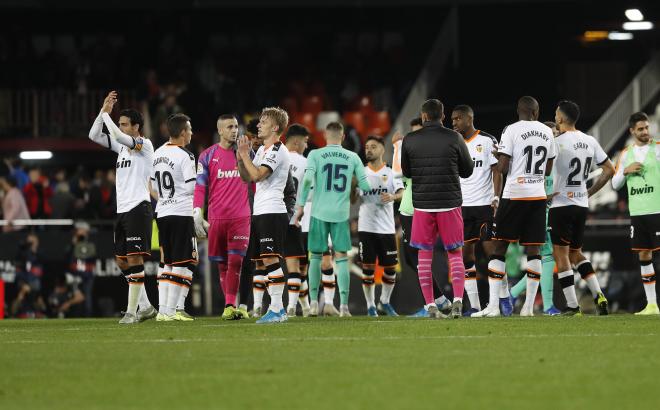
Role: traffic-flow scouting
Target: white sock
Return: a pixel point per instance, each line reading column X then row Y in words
column 369, row 294
column 294, row 294
column 258, row 293
column 163, row 291
column 304, row 300
column 592, row 279
column 144, row 302
column 174, row 294
column 388, row 287
column 134, row 290
column 471, row 287
column 329, row 288
column 495, row 266
column 534, row 268
column 242, row 306
column 569, row 291
column 648, row 279
column 504, row 288
column 181, row 304
column 440, row 300
column 276, row 289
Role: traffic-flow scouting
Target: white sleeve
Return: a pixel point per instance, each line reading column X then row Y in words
column 273, row 159
column 552, row 152
column 97, row 135
column 491, row 147
column 506, row 143
column 599, row 154
column 397, row 183
column 137, row 144
column 189, row 171
column 618, row 180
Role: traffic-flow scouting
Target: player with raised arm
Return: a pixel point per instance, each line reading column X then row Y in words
column 228, row 211
column 639, row 167
column 132, row 230
column 481, row 196
column 295, row 249
column 330, row 170
column 526, row 152
column 376, row 229
column 269, row 170
column 174, row 177
column 576, row 152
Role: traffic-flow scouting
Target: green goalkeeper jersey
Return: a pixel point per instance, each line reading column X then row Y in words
column 330, row 171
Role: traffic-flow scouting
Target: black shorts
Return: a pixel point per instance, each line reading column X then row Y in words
column 645, row 232
column 294, row 247
column 268, row 233
column 378, row 246
column 521, row 221
column 478, row 223
column 176, row 235
column 566, row 225
column 133, row 231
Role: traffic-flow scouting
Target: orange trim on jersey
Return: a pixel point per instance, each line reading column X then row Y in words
column 169, row 144
column 376, row 170
column 138, row 253
column 471, row 240
column 369, row 264
column 174, row 283
column 388, row 266
column 122, row 257
column 180, row 262
column 473, row 136
column 531, row 244
column 531, row 271
column 295, row 257
column 179, row 276
column 470, row 278
column 494, row 271
column 645, row 249
column 265, row 255
column 536, row 198
column 506, row 240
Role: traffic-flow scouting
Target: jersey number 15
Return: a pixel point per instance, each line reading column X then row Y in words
column 336, row 179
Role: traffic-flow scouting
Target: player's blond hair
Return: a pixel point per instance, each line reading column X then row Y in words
column 278, row 115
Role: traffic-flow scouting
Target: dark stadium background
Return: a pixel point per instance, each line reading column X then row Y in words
column 58, row 60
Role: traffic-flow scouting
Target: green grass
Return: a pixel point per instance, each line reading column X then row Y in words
column 530, row 363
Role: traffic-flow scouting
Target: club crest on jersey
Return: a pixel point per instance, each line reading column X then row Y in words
column 200, row 168
column 479, row 148
column 384, row 177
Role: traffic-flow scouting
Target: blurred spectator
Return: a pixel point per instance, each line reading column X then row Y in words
column 65, row 300
column 62, row 203
column 37, row 195
column 168, row 107
column 13, row 203
column 16, row 170
column 83, row 254
column 28, row 302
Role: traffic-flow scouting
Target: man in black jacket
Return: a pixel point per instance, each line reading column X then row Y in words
column 434, row 157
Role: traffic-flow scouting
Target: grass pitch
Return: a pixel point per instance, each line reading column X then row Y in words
column 358, row 363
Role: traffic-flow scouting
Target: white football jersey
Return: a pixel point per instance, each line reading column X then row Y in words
column 133, row 171
column 298, row 165
column 173, row 178
column 269, row 193
column 375, row 216
column 530, row 144
column 478, row 188
column 576, row 152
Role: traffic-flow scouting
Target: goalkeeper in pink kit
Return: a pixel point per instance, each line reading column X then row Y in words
column 228, row 211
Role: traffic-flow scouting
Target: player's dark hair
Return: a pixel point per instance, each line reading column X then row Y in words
column 433, row 108
column 176, row 123
column 134, row 117
column 528, row 105
column 570, row 110
column 296, row 130
column 227, row 117
column 464, row 109
column 375, row 138
column 416, row 122
column 335, row 126
column 637, row 117
column 251, row 126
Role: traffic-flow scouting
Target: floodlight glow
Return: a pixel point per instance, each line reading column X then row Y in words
column 615, row 35
column 634, row 15
column 27, row 155
column 637, row 25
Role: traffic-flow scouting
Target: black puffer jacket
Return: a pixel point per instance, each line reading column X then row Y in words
column 434, row 157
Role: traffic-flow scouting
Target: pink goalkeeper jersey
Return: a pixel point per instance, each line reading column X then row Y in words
column 228, row 194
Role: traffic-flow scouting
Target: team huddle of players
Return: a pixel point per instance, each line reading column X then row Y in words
column 276, row 219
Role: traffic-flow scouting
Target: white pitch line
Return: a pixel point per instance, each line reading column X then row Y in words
column 330, row 338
